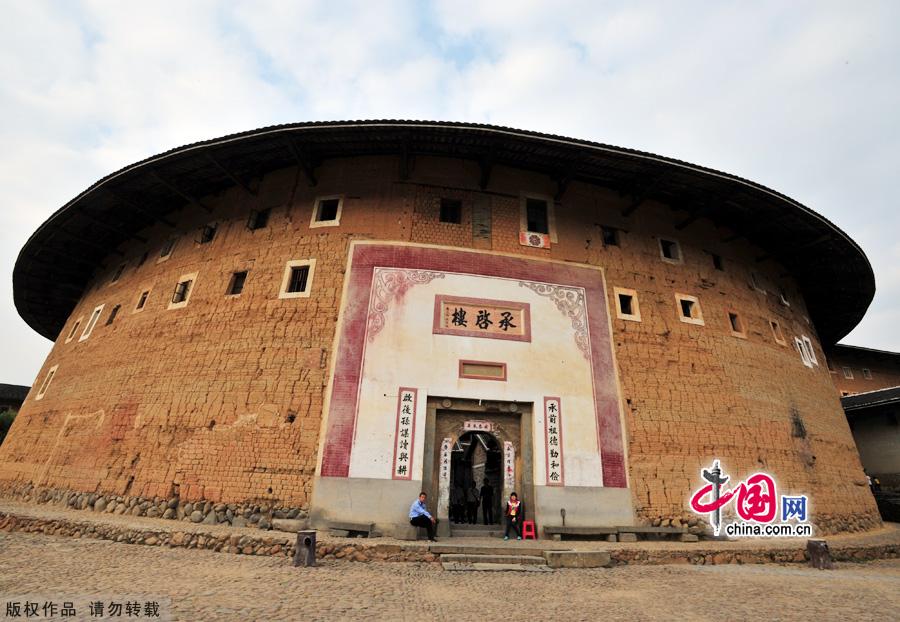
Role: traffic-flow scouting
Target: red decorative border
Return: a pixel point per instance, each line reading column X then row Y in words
column 412, row 433
column 462, row 374
column 441, row 299
column 342, row 411
column 562, row 466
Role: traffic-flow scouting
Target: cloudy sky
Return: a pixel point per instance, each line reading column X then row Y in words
column 803, row 97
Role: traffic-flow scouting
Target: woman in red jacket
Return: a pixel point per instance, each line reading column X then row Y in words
column 515, row 514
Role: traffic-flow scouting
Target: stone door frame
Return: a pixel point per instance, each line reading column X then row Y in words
column 506, row 417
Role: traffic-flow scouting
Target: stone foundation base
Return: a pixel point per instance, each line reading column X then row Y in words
column 248, row 514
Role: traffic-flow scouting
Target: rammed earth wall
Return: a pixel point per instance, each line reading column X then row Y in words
column 222, row 400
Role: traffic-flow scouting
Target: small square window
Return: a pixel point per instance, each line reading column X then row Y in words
column 783, row 299
column 118, row 273
column 669, row 250
column 848, row 373
column 776, row 332
column 166, row 251
column 451, row 211
column 737, row 325
column 327, row 211
column 610, row 236
column 258, row 219
column 537, row 219
column 718, row 263
column 297, row 280
column 46, row 384
column 236, row 285
column 113, row 314
column 207, row 233
column 74, row 329
column 183, row 290
column 92, row 321
column 143, row 259
column 689, row 309
column 627, row 307
column 867, row 373
column 142, row 300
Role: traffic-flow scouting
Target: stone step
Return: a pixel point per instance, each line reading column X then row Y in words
column 509, row 547
column 495, row 559
column 492, row 567
column 472, row 533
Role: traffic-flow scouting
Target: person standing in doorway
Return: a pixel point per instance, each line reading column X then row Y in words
column 457, row 503
column 472, row 503
column 515, row 514
column 487, row 502
column 419, row 516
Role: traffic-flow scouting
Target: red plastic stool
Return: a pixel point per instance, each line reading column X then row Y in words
column 528, row 530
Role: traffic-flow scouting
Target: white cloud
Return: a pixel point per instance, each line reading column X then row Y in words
column 800, row 96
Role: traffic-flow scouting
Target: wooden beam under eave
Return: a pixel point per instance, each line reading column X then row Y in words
column 179, row 192
column 69, row 261
column 229, row 174
column 140, row 210
column 562, row 184
column 113, row 228
column 303, row 162
column 643, row 195
column 693, row 217
column 486, row 166
column 405, row 164
column 79, row 239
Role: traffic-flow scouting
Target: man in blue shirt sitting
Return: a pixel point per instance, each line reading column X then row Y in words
column 419, row 516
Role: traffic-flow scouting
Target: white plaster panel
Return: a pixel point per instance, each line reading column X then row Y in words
column 406, row 353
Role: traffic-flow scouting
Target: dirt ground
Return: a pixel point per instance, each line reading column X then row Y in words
column 202, row 585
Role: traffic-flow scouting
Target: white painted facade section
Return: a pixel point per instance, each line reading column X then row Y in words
column 404, row 352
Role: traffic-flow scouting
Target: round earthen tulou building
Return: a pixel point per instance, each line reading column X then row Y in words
column 323, row 319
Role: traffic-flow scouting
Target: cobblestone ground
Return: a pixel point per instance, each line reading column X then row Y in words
column 201, row 585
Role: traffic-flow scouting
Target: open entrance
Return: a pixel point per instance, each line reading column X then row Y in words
column 468, row 440
column 476, row 479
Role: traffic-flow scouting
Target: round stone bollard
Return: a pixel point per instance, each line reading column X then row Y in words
column 305, row 549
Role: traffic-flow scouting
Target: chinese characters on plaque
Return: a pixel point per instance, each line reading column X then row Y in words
column 478, row 426
column 478, row 317
column 404, row 438
column 444, row 472
column 553, row 439
column 509, row 465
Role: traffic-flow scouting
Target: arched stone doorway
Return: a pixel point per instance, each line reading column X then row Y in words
column 476, row 459
column 451, row 420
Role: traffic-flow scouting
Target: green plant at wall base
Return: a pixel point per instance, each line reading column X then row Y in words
column 6, row 420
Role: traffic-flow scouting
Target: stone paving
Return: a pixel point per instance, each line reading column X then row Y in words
column 202, row 585
column 889, row 534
